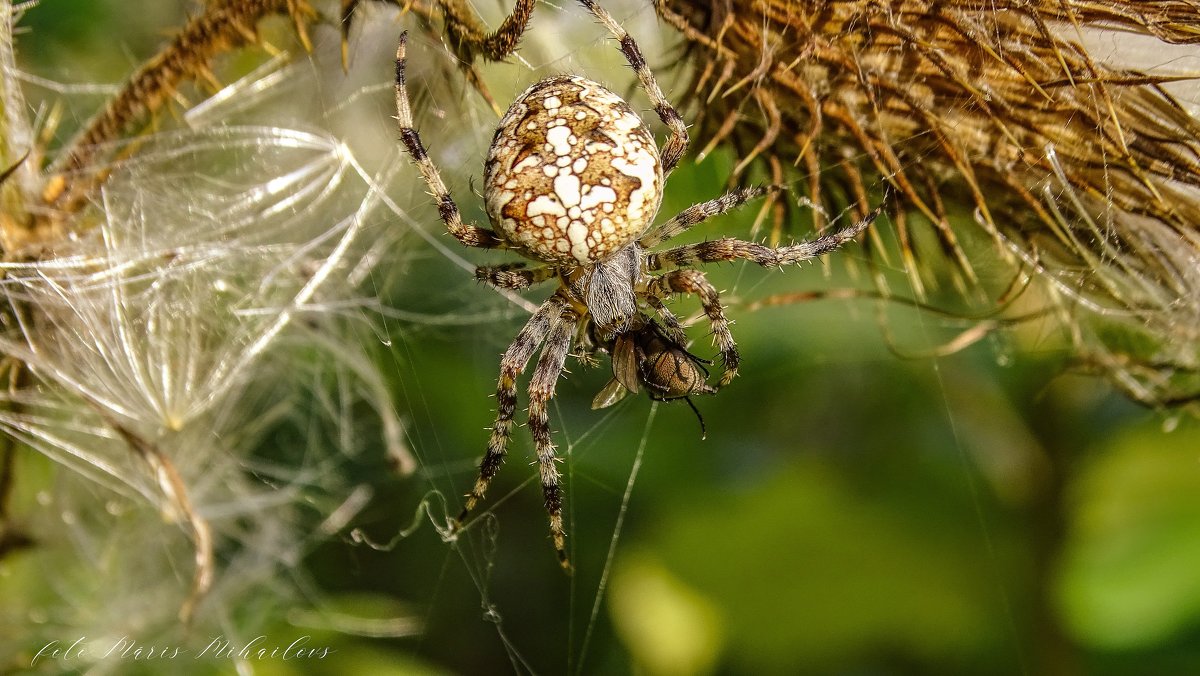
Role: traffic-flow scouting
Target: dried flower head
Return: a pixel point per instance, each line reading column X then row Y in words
column 187, row 305
column 1083, row 172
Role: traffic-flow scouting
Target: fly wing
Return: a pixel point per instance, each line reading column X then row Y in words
column 625, row 363
column 610, row 394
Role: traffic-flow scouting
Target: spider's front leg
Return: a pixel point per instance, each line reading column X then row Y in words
column 730, row 249
column 470, row 235
column 673, row 328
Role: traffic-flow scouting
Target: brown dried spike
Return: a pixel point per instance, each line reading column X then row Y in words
column 992, row 109
column 224, row 25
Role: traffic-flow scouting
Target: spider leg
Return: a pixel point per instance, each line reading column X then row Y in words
column 469, row 235
column 673, row 328
column 467, row 34
column 698, row 213
column 729, row 249
column 695, row 283
column 512, row 364
column 513, row 275
column 678, row 143
column 541, row 390
column 470, row 37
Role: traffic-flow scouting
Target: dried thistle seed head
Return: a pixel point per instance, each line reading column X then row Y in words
column 1076, row 164
column 573, row 175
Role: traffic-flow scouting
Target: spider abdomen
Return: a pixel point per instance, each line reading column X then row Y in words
column 573, row 175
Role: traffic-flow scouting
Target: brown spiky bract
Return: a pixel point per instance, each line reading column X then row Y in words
column 1084, row 173
column 224, row 25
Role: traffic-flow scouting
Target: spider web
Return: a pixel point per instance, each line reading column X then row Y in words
column 956, row 403
column 484, row 547
column 480, row 548
column 443, row 335
column 416, row 325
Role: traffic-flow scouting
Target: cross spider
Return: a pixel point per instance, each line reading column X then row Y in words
column 573, row 181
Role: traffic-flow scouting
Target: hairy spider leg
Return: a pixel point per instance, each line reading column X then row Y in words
column 673, row 151
column 515, row 358
column 469, row 36
column 541, row 391
column 695, row 283
column 470, row 235
column 513, row 275
column 463, row 27
column 729, row 249
column 682, row 222
column 698, row 213
column 673, row 328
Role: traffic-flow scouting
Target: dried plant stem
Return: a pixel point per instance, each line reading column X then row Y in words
column 11, row 539
column 16, row 137
column 175, row 493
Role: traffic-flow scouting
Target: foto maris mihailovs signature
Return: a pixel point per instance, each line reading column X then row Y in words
column 84, row 649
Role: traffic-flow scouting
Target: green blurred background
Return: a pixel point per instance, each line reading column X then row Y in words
column 852, row 511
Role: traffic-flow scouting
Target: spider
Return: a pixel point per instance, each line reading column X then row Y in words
column 573, row 181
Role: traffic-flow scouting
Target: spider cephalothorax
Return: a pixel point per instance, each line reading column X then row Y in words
column 573, row 181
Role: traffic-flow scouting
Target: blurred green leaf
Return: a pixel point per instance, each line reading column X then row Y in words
column 668, row 627
column 1129, row 573
column 811, row 572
